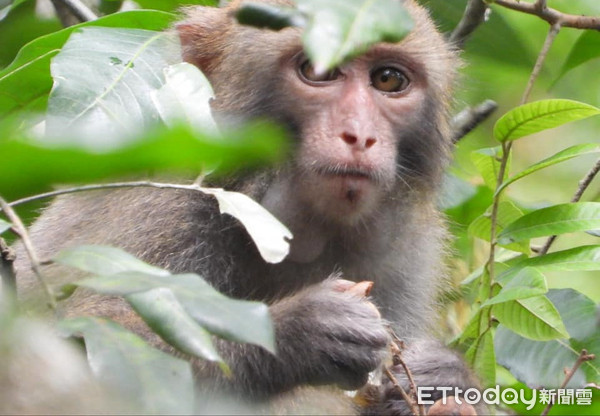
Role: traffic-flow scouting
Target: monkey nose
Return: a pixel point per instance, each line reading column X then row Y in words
column 354, row 141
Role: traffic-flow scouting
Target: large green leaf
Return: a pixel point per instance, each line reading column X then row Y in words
column 26, row 82
column 103, row 80
column 528, row 282
column 534, row 318
column 237, row 320
column 508, row 212
column 540, row 115
column 554, row 220
column 340, row 29
column 105, row 261
column 585, row 49
column 584, row 258
column 33, row 167
column 487, row 162
column 161, row 383
column 542, row 363
column 563, row 155
column 482, row 359
column 166, row 316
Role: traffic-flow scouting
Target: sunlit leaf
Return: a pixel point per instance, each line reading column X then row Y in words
column 528, row 282
column 270, row 236
column 340, row 29
column 584, row 258
column 508, row 212
column 487, row 162
column 557, row 219
column 482, row 358
column 185, row 98
column 26, row 82
column 563, row 155
column 103, row 79
column 540, row 115
column 161, row 383
column 534, row 318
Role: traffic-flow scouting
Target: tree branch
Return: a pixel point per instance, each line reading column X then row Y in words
column 583, row 185
column 473, row 16
column 71, row 12
column 471, row 117
column 552, row 16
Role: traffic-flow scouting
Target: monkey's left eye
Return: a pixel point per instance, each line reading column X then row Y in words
column 307, row 71
column 389, row 79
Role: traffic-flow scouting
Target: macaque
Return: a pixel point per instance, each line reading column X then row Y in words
column 371, row 140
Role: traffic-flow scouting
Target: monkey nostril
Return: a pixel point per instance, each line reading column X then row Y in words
column 370, row 142
column 349, row 138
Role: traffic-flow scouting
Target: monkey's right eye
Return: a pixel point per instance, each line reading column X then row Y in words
column 308, row 73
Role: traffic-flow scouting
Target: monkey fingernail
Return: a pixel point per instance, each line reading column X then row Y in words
column 361, row 288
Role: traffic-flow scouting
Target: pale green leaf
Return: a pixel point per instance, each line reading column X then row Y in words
column 4, row 226
column 534, row 318
column 160, row 382
column 554, row 220
column 563, row 155
column 508, row 212
column 482, row 358
column 487, row 162
column 540, row 115
column 528, row 282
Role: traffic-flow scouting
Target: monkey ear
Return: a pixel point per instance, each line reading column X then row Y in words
column 203, row 35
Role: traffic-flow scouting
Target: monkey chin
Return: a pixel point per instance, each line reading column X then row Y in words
column 346, row 199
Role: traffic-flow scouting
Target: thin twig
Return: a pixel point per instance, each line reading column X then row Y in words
column 550, row 15
column 7, row 269
column 473, row 16
column 95, row 187
column 413, row 407
column 469, row 118
column 397, row 346
column 583, row 185
column 21, row 231
column 539, row 63
column 583, row 357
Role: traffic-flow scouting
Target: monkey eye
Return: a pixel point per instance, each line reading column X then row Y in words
column 307, row 72
column 389, row 79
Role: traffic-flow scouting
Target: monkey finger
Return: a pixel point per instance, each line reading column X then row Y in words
column 342, row 285
column 361, row 289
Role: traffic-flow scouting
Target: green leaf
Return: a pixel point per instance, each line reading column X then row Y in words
column 338, row 30
column 585, row 49
column 554, row 220
column 162, row 383
column 563, row 155
column 487, row 162
column 270, row 236
column 105, row 261
column 4, row 226
column 527, row 283
column 534, row 318
column 540, row 115
column 32, row 167
column 482, row 358
column 103, row 79
column 584, row 258
column 161, row 310
column 185, row 98
column 542, row 363
column 508, row 212
column 26, row 82
column 233, row 319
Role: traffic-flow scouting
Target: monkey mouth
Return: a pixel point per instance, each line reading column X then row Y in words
column 349, row 172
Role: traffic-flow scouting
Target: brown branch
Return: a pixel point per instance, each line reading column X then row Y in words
column 21, row 231
column 411, row 403
column 7, row 269
column 552, row 16
column 473, row 16
column 583, row 357
column 583, row 185
column 539, row 63
column 397, row 345
column 469, row 118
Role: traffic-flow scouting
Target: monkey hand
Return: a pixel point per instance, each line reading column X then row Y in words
column 330, row 333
